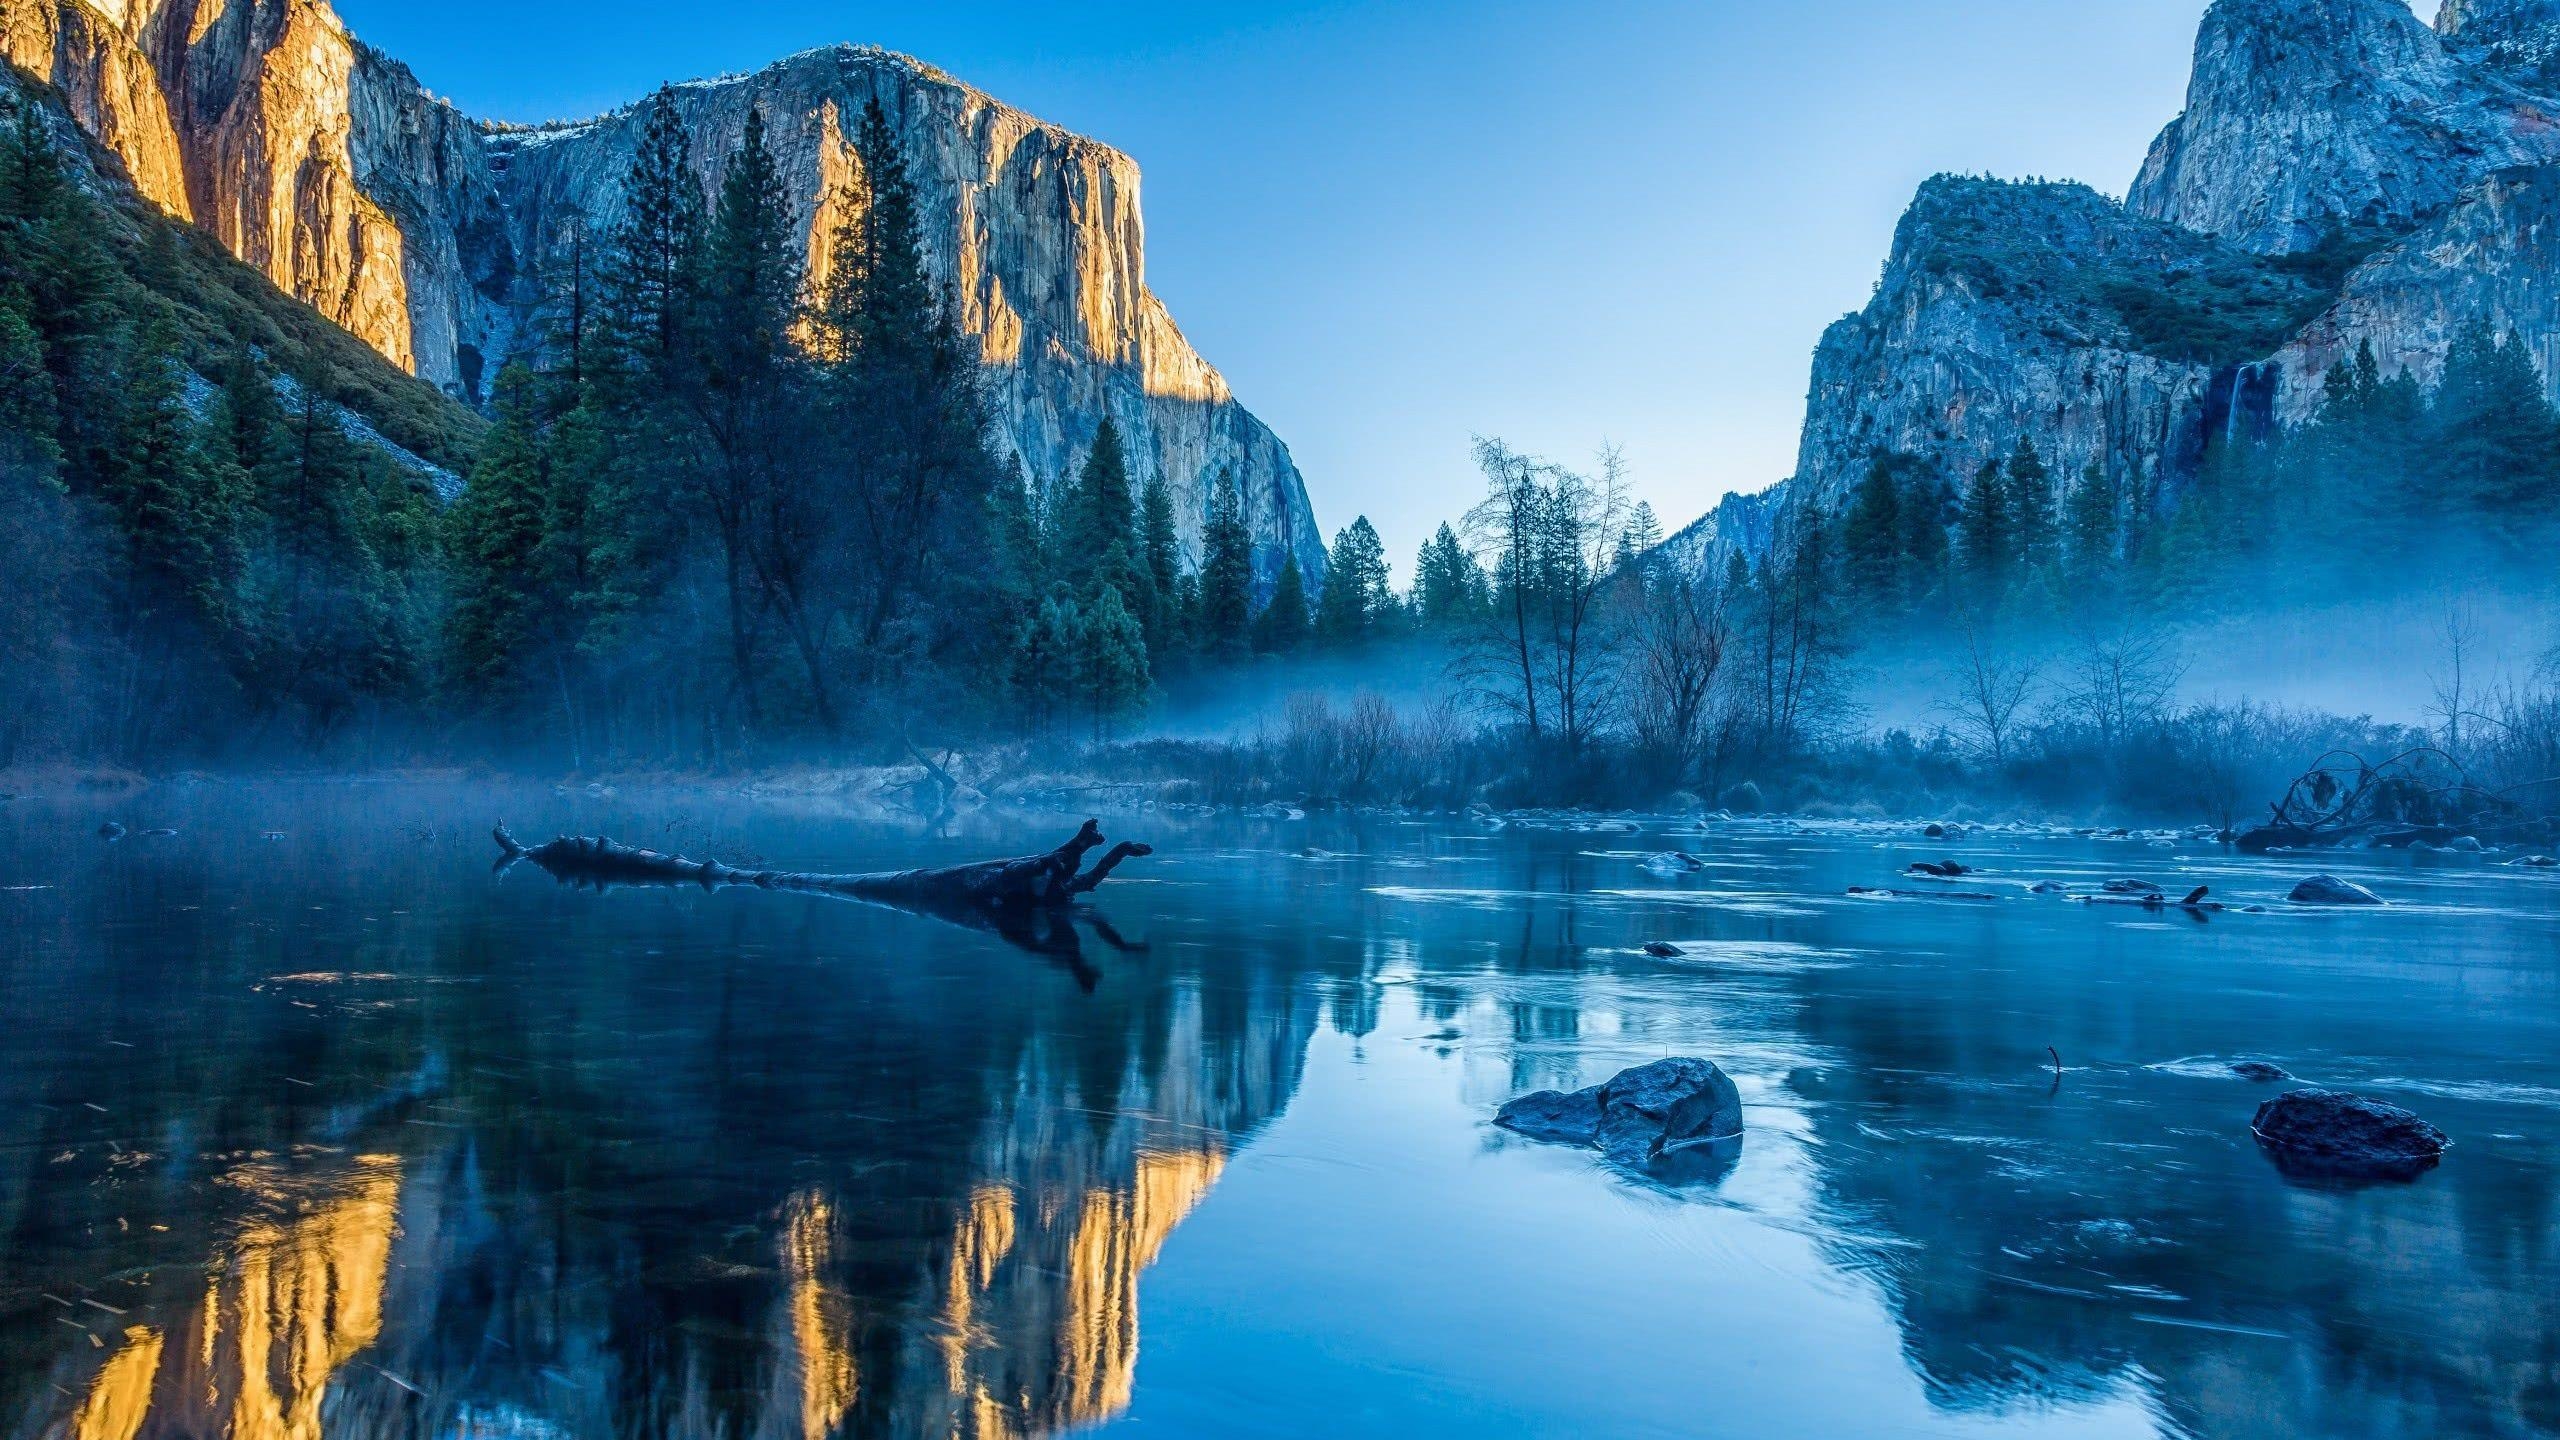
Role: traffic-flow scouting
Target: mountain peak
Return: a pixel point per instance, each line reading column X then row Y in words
column 2305, row 115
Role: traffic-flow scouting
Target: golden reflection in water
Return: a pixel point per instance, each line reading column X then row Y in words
column 120, row 1399
column 300, row 1296
column 1119, row 1235
column 985, row 1237
column 821, row 1336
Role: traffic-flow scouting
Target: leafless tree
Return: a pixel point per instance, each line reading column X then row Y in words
column 1679, row 630
column 2454, row 698
column 1543, row 657
column 2120, row 679
column 1991, row 689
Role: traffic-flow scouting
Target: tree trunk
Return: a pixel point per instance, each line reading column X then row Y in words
column 1051, row 880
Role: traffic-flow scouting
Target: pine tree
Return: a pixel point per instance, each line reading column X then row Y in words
column 2092, row 531
column 1103, row 545
column 1282, row 628
column 1160, row 554
column 1111, row 663
column 652, row 269
column 1448, row 584
column 1989, row 536
column 2496, row 443
column 499, row 529
column 28, row 418
column 1226, row 574
column 1048, row 648
column 2031, row 512
column 1356, row 594
column 1872, row 539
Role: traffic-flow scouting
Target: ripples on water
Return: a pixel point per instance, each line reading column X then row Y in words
column 337, row 1134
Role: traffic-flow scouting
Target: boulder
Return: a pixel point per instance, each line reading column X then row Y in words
column 2128, row 885
column 1673, row 863
column 2330, row 890
column 1935, row 831
column 2537, row 862
column 2259, row 1071
column 2464, row 845
column 1568, row 1119
column 1655, row 1107
column 1636, row 1116
column 1662, row 950
column 2332, row 1134
column 111, row 831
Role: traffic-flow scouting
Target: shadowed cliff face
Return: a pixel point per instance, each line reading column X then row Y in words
column 326, row 165
column 2342, row 176
column 2304, row 114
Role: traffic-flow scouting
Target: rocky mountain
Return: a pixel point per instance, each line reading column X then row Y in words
column 325, row 165
column 2342, row 175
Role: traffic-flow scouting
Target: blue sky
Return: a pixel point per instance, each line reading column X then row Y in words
column 1395, row 226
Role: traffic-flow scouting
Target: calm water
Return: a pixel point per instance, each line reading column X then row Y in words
column 338, row 1134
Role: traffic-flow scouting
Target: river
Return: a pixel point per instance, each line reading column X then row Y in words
column 311, row 1124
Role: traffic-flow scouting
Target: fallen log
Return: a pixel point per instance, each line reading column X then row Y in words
column 1051, row 880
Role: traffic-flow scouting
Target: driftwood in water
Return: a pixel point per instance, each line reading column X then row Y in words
column 2419, row 795
column 1026, row 901
column 1028, row 881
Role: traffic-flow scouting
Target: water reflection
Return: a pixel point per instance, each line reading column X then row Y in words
column 345, row 1139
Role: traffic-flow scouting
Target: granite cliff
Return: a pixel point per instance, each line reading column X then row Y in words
column 2343, row 175
column 326, row 166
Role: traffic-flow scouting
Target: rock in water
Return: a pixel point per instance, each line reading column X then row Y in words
column 1669, row 1102
column 111, row 831
column 2330, row 890
column 1568, row 1119
column 1674, row 862
column 1637, row 1115
column 2131, row 886
column 2259, row 1071
column 2329, row 1133
column 1663, row 950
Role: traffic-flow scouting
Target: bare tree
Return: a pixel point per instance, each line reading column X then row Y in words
column 2454, row 700
column 1679, row 631
column 1543, row 658
column 1992, row 689
column 1795, row 639
column 2120, row 679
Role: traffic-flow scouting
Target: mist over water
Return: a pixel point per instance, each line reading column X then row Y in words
column 338, row 1133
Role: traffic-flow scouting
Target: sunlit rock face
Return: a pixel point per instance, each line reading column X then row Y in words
column 328, row 167
column 1034, row 230
column 2306, row 113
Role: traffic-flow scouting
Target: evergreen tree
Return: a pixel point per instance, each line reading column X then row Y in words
column 1226, row 574
column 1047, row 655
column 1448, row 584
column 2036, row 542
column 499, row 527
column 2092, row 529
column 1111, row 661
column 1160, row 555
column 1357, row 597
column 909, row 422
column 2496, row 442
column 1104, row 549
column 28, row 417
column 1282, row 628
column 652, row 272
column 1988, row 535
column 1873, row 538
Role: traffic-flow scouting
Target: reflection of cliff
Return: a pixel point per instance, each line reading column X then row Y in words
column 632, row 1199
column 295, row 1294
column 1037, row 1321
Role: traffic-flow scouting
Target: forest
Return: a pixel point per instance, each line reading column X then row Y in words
column 724, row 515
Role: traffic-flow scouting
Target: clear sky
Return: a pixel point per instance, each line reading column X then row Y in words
column 1398, row 224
